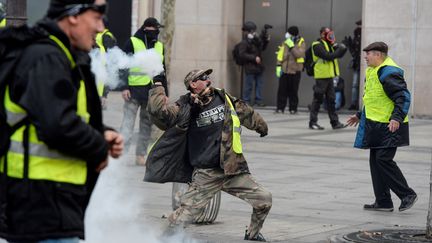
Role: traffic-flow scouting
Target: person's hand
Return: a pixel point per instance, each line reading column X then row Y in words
column 278, row 71
column 102, row 166
column 353, row 121
column 393, row 126
column 115, row 141
column 126, row 94
column 258, row 59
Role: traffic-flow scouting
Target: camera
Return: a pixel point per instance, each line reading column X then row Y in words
column 267, row 26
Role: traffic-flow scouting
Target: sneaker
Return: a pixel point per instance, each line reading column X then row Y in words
column 407, row 202
column 261, row 104
column 258, row 237
column 375, row 207
column 293, row 112
column 278, row 111
column 315, row 126
column 339, row 126
column 140, row 160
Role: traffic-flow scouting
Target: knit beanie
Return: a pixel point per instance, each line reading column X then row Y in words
column 58, row 7
column 293, row 30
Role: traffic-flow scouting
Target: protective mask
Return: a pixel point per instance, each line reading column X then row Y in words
column 250, row 36
column 330, row 37
column 287, row 35
column 151, row 34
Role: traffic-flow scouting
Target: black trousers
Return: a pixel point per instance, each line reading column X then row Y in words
column 324, row 87
column 387, row 176
column 288, row 89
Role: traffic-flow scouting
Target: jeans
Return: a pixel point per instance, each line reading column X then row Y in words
column 60, row 240
column 130, row 111
column 250, row 79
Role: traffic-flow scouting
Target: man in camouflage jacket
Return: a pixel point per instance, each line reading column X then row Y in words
column 213, row 150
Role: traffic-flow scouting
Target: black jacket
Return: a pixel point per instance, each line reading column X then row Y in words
column 249, row 50
column 46, row 87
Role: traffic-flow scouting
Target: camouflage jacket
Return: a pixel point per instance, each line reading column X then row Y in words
column 165, row 116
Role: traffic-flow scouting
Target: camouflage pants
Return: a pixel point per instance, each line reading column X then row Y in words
column 207, row 182
column 130, row 110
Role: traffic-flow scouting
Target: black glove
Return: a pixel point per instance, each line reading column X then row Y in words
column 263, row 134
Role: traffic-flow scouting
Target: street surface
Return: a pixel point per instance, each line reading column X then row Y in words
column 318, row 180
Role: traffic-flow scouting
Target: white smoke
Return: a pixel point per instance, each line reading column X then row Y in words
column 115, row 213
column 107, row 66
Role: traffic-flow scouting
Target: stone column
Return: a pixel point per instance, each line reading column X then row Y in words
column 205, row 33
column 406, row 27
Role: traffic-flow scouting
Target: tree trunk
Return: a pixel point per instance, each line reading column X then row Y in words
column 16, row 12
column 429, row 217
column 167, row 34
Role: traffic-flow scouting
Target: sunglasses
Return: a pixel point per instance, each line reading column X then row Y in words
column 203, row 77
column 77, row 9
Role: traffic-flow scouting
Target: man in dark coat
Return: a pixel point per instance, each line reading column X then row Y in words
column 61, row 144
column 250, row 49
column 384, row 127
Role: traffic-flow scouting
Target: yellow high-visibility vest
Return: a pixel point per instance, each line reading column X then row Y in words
column 379, row 107
column 99, row 42
column 289, row 43
column 43, row 163
column 236, row 128
column 136, row 76
column 323, row 68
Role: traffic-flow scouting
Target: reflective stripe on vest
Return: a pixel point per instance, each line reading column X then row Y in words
column 378, row 106
column 236, row 127
column 323, row 68
column 44, row 163
column 136, row 76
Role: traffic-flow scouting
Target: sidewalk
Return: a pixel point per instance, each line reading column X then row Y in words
column 318, row 180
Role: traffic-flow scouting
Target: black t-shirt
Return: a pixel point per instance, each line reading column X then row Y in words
column 205, row 132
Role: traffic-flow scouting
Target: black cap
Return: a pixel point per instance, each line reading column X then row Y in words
column 152, row 22
column 359, row 22
column 249, row 26
column 58, row 7
column 377, row 46
column 293, row 30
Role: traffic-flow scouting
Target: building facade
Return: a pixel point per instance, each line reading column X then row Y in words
column 207, row 30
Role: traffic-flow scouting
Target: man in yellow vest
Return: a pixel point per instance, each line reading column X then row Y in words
column 135, row 93
column 207, row 121
column 290, row 59
column 325, row 55
column 105, row 40
column 383, row 126
column 58, row 144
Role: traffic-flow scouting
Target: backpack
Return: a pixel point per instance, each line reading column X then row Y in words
column 13, row 41
column 236, row 54
column 309, row 64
